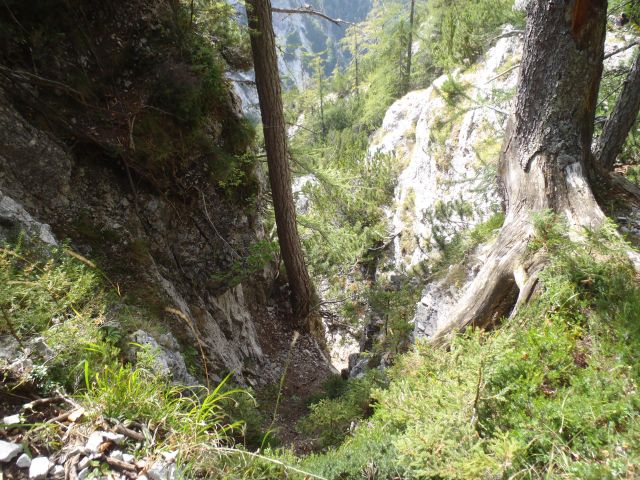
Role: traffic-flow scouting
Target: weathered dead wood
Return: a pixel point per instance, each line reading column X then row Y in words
column 121, row 429
column 310, row 11
column 621, row 49
column 114, row 462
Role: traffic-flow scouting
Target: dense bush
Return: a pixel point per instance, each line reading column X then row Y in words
column 463, row 28
column 331, row 418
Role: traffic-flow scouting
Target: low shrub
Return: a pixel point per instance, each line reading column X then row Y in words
column 552, row 393
column 331, row 418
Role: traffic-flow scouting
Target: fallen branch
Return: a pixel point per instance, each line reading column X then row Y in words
column 114, row 462
column 121, row 429
column 310, row 11
column 476, row 400
column 60, row 418
column 22, row 76
column 503, row 73
column 42, row 401
column 621, row 49
column 11, row 328
column 510, row 33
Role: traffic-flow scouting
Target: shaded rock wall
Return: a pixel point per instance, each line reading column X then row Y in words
column 163, row 251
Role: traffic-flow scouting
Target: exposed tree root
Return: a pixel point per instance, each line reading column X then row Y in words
column 546, row 162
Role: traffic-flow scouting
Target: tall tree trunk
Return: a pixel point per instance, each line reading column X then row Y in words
column 319, row 68
column 619, row 124
column 407, row 81
column 355, row 53
column 546, row 160
column 263, row 46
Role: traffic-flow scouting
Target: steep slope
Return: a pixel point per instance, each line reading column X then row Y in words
column 148, row 171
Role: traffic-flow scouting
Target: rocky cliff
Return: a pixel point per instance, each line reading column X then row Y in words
column 145, row 173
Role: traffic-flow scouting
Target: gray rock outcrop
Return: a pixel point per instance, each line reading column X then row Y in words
column 164, row 251
column 167, row 359
column 447, row 138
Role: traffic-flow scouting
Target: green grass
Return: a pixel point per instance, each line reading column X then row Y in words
column 553, row 393
column 62, row 298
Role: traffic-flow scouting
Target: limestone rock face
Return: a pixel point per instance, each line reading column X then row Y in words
column 14, row 218
column 447, row 138
column 168, row 361
column 521, row 5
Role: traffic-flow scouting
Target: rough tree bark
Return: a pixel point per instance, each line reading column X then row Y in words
column 263, row 46
column 546, row 160
column 407, row 80
column 621, row 120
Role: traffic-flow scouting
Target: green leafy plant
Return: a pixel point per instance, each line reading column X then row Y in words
column 331, row 418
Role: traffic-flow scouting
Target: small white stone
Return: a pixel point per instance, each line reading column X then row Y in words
column 57, row 472
column 127, row 457
column 95, row 440
column 23, row 461
column 84, row 463
column 8, row 451
column 157, row 471
column 12, row 419
column 117, row 454
column 170, row 457
column 84, row 473
column 39, row 468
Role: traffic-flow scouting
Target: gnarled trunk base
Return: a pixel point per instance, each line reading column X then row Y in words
column 546, row 161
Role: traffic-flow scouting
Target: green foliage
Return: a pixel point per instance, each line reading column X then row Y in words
column 370, row 456
column 149, row 92
column 453, row 90
column 633, row 174
column 455, row 252
column 243, row 408
column 396, row 305
column 331, row 418
column 553, row 393
column 346, row 195
column 176, row 413
column 50, row 293
column 38, row 290
column 260, row 254
column 54, row 301
column 462, row 28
